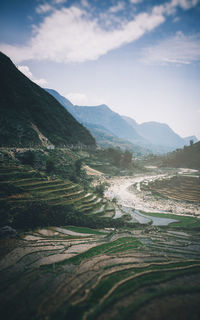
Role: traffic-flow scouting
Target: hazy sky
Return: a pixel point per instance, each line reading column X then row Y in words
column 140, row 57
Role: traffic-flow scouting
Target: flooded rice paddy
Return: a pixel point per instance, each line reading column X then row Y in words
column 150, row 270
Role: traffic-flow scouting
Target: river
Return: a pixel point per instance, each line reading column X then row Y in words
column 122, row 189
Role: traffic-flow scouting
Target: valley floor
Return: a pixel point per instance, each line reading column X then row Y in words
column 145, row 271
column 128, row 192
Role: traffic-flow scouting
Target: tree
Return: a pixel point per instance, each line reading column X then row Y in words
column 114, row 155
column 191, row 142
column 100, row 188
column 78, row 166
column 50, row 166
column 127, row 159
column 28, row 157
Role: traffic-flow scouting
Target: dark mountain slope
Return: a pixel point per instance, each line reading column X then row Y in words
column 32, row 117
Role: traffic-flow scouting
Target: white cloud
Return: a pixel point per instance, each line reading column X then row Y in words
column 135, row 1
column 85, row 3
column 26, row 71
column 47, row 8
column 118, row 7
column 184, row 4
column 76, row 98
column 81, row 99
column 59, row 1
column 179, row 49
column 44, row 8
column 70, row 35
column 169, row 8
column 67, row 35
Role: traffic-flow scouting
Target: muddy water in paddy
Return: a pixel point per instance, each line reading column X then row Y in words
column 59, row 273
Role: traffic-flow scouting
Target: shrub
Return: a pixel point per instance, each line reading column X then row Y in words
column 50, row 167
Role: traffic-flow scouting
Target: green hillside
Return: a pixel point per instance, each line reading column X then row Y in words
column 31, row 117
column 29, row 198
column 188, row 157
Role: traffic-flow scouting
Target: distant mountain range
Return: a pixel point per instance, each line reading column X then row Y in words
column 107, row 127
column 110, row 128
column 32, row 117
column 160, row 134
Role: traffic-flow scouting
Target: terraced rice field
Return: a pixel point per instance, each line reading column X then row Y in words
column 184, row 188
column 57, row 192
column 145, row 272
column 79, row 273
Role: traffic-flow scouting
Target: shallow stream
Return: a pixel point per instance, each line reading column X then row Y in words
column 134, row 202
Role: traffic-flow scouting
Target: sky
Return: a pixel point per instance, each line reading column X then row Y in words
column 139, row 57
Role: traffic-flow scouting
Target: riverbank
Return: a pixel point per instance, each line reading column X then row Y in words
column 128, row 193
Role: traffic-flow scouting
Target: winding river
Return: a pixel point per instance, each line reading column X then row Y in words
column 130, row 198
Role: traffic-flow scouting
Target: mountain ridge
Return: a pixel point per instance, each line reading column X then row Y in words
column 102, row 115
column 32, row 117
column 156, row 136
column 159, row 133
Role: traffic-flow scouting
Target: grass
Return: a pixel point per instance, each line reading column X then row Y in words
column 84, row 230
column 119, row 245
column 183, row 221
column 36, row 188
column 180, row 187
column 149, row 281
column 109, row 281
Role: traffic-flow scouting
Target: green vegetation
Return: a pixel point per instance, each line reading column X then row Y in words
column 119, row 272
column 56, row 194
column 184, row 222
column 186, row 188
column 188, row 157
column 85, row 230
column 113, row 161
column 119, row 245
column 149, row 276
column 31, row 117
column 155, row 290
column 114, row 279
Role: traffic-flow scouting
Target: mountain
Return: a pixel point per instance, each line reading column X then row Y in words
column 160, row 134
column 102, row 116
column 131, row 121
column 32, row 117
column 189, row 139
column 106, row 139
column 109, row 128
column 188, row 157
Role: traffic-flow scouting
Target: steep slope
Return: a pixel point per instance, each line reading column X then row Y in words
column 188, row 157
column 106, row 139
column 189, row 139
column 131, row 121
column 102, row 115
column 32, row 117
column 160, row 134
